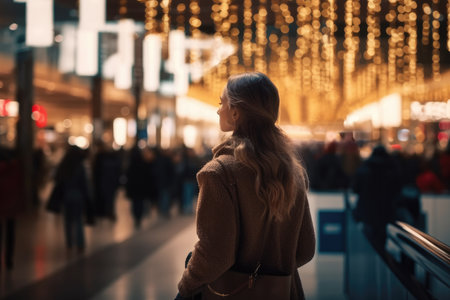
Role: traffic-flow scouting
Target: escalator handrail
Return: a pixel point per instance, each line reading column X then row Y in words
column 425, row 250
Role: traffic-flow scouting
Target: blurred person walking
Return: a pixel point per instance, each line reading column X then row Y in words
column 190, row 165
column 165, row 169
column 11, row 204
column 72, row 194
column 141, row 181
column 330, row 174
column 107, row 169
column 377, row 184
column 253, row 216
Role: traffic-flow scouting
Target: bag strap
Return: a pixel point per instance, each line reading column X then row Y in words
column 253, row 276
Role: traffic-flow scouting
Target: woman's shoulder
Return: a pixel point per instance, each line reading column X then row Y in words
column 217, row 164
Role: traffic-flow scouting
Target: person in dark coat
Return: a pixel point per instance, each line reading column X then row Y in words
column 11, row 203
column 141, row 181
column 164, row 181
column 378, row 185
column 107, row 170
column 76, row 200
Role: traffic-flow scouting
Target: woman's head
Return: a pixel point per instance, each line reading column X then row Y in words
column 250, row 104
column 250, row 101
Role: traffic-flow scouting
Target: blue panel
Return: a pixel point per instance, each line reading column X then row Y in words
column 331, row 231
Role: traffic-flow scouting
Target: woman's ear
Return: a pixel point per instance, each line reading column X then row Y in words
column 235, row 114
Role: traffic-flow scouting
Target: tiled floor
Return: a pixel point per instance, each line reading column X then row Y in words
column 121, row 263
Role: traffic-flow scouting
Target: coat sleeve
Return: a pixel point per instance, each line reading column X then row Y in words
column 215, row 251
column 307, row 240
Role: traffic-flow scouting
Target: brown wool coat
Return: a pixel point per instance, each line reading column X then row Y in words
column 290, row 243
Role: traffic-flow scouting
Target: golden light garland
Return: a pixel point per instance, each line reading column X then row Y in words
column 329, row 46
column 123, row 8
column 426, row 24
column 315, row 45
column 248, row 35
column 180, row 19
column 373, row 31
column 392, row 42
column 194, row 24
column 400, row 43
column 234, row 36
column 435, row 57
column 349, row 46
column 151, row 11
column 165, row 7
column 284, row 41
column 412, row 40
column 302, row 61
column 261, row 40
column 448, row 25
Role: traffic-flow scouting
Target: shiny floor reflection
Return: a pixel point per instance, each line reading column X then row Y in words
column 121, row 263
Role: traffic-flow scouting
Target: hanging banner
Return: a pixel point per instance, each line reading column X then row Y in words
column 67, row 48
column 152, row 61
column 92, row 14
column 177, row 50
column 87, row 52
column 39, row 23
column 125, row 46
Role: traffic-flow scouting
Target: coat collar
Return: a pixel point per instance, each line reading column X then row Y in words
column 225, row 148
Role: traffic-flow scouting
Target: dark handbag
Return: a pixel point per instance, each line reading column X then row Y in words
column 239, row 285
column 55, row 200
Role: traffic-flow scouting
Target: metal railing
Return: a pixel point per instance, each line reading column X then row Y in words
column 426, row 251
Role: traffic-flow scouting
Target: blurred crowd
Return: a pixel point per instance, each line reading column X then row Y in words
column 84, row 184
column 388, row 183
column 83, row 187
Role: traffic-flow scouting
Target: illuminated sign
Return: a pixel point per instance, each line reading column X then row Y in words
column 430, row 111
column 385, row 113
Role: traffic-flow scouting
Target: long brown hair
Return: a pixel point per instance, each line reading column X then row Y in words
column 262, row 146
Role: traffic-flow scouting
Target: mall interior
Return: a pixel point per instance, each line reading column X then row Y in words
column 363, row 85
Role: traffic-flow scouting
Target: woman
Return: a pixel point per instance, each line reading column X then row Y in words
column 270, row 188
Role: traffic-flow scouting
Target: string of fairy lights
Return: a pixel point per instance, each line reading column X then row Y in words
column 295, row 42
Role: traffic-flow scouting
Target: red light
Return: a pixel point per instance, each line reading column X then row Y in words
column 442, row 136
column 396, row 147
column 3, row 110
column 39, row 114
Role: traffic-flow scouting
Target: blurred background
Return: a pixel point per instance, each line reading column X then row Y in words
column 121, row 95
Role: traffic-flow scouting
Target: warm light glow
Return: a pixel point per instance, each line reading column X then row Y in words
column 79, row 141
column 120, row 131
column 391, row 110
column 195, row 110
column 384, row 113
column 190, row 134
column 39, row 23
column 131, row 128
column 167, row 132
